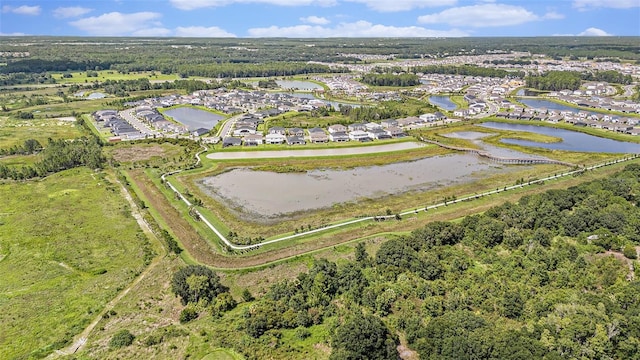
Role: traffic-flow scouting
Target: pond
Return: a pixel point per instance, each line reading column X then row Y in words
column 194, row 118
column 476, row 138
column 443, row 102
column 96, row 95
column 546, row 104
column 251, row 193
column 571, row 140
column 298, row 85
column 335, row 104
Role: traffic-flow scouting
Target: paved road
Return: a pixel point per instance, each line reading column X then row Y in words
column 226, row 128
column 136, row 123
column 314, row 152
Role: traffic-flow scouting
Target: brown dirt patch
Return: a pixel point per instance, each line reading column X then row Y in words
column 138, row 153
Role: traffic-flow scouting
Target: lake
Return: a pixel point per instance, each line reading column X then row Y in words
column 443, row 102
column 268, row 196
column 298, row 85
column 194, row 118
column 571, row 140
column 335, row 104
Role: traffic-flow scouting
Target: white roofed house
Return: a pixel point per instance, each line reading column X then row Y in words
column 357, row 126
column 389, row 123
column 372, row 126
column 275, row 139
column 253, row 139
column 428, row 117
column 358, row 135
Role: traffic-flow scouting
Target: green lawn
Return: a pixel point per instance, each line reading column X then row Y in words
column 81, row 76
column 68, row 244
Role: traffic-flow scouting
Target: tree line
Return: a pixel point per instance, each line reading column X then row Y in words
column 468, row 70
column 59, row 155
column 401, row 80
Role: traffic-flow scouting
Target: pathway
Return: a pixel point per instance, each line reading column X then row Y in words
column 361, row 150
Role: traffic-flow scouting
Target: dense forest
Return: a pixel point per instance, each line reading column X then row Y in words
column 470, row 70
column 555, row 81
column 401, row 80
column 535, row 279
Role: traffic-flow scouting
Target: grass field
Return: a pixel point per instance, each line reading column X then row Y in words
column 68, row 244
column 15, row 132
column 80, row 77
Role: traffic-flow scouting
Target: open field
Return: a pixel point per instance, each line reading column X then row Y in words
column 15, row 131
column 80, row 77
column 68, row 245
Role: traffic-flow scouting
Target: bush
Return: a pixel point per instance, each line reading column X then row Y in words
column 122, row 338
column 629, row 252
column 187, row 314
column 196, row 282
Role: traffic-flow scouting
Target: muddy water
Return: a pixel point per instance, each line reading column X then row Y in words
column 265, row 196
column 476, row 138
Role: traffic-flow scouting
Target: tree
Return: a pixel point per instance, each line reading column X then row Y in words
column 196, row 282
column 122, row 338
column 363, row 337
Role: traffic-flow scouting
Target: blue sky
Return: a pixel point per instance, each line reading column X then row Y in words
column 320, row 18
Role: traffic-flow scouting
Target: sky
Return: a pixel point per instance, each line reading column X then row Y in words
column 320, row 18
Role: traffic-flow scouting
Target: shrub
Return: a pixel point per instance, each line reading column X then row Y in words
column 629, row 252
column 122, row 338
column 187, row 314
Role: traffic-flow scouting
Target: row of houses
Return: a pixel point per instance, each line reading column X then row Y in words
column 117, row 125
column 248, row 136
column 156, row 121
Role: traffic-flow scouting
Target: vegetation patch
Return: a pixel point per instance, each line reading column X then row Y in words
column 67, row 256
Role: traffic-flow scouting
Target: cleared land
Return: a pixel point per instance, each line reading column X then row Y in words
column 68, row 244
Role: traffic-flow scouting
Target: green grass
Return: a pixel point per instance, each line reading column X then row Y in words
column 15, row 131
column 80, row 77
column 68, row 245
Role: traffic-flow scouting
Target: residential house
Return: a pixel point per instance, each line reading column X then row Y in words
column 295, row 140
column 389, row 123
column 337, row 128
column 231, row 141
column 318, row 136
column 339, row 136
column 275, row 138
column 253, row 140
column 277, row 130
column 199, row 132
column 295, row 132
column 357, row 126
column 358, row 135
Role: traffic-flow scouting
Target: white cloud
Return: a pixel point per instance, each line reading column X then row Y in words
column 152, row 32
column 69, row 12
column 403, row 5
column 198, row 4
column 485, row 15
column 594, row 32
column 615, row 4
column 552, row 15
column 13, row 34
column 118, row 24
column 201, row 31
column 315, row 20
column 22, row 10
column 355, row 29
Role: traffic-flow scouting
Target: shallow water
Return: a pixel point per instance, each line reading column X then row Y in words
column 443, row 102
column 268, row 195
column 194, row 118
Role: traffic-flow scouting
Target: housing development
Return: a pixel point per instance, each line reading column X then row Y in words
column 319, row 198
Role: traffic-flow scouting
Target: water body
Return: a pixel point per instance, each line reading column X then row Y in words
column 251, row 193
column 571, row 140
column 546, row 104
column 194, row 118
column 335, row 104
column 476, row 138
column 299, row 85
column 443, row 102
column 96, row 95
